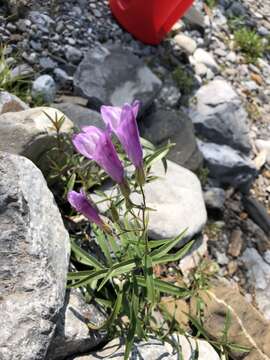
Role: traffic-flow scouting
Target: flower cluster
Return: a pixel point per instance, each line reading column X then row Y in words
column 96, row 144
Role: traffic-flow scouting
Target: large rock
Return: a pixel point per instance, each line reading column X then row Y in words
column 164, row 125
column 34, row 260
column 73, row 335
column 177, row 200
column 259, row 278
column 30, row 133
column 80, row 115
column 154, row 349
column 227, row 166
column 219, row 116
column 115, row 76
column 247, row 326
column 11, row 103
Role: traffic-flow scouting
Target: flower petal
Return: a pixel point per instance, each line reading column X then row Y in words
column 80, row 202
column 111, row 115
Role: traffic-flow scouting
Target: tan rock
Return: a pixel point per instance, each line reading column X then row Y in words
column 11, row 103
column 177, row 309
column 30, row 132
column 248, row 327
column 186, row 43
column 236, row 243
column 232, row 267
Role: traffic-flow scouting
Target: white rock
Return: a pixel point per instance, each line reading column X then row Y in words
column 44, row 87
column 154, row 349
column 186, row 43
column 177, row 197
column 264, row 145
column 202, row 56
column 259, row 277
column 178, row 200
column 200, row 69
column 231, row 57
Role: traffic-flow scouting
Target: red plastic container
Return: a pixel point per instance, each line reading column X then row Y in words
column 149, row 20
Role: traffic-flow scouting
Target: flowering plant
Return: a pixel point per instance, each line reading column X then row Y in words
column 123, row 278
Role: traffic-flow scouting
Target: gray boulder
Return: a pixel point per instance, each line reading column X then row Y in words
column 34, row 261
column 115, row 76
column 227, row 166
column 219, row 116
column 80, row 115
column 154, row 349
column 164, row 125
column 73, row 336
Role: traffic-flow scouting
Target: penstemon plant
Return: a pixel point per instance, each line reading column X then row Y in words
column 124, row 280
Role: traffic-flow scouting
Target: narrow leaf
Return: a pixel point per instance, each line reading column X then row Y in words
column 164, row 249
column 84, row 258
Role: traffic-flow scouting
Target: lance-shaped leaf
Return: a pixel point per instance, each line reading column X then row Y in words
column 164, row 287
column 164, row 249
column 84, row 258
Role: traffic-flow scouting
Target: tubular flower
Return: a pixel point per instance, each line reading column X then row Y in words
column 80, row 202
column 97, row 145
column 122, row 121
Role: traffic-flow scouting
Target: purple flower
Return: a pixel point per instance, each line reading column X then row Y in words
column 122, row 121
column 80, row 203
column 97, row 145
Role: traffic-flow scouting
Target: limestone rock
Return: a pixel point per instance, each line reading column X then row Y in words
column 164, row 125
column 73, row 335
column 154, row 349
column 11, row 103
column 203, row 57
column 115, row 76
column 264, row 145
column 177, row 198
column 34, row 260
column 219, row 116
column 186, row 43
column 30, row 133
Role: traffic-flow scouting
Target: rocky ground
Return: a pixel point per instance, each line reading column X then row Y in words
column 197, row 90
